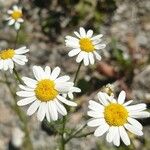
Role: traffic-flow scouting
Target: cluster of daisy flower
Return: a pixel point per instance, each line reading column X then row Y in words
column 48, row 91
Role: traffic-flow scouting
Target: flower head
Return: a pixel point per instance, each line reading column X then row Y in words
column 10, row 56
column 45, row 93
column 85, row 45
column 15, row 17
column 114, row 117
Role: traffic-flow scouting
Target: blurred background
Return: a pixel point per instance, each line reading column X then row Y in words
column 125, row 25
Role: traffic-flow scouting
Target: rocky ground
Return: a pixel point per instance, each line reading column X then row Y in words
column 126, row 29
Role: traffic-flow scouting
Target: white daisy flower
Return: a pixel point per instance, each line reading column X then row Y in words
column 15, row 17
column 115, row 117
column 85, row 46
column 10, row 56
column 45, row 94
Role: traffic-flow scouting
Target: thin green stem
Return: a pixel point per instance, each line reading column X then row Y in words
column 83, row 135
column 62, row 134
column 16, row 39
column 76, row 75
column 63, row 141
column 21, row 116
column 17, row 76
column 75, row 133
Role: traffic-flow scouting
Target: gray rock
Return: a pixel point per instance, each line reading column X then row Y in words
column 141, row 85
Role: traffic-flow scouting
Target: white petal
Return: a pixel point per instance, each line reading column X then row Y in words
column 100, row 46
column 41, row 111
column 91, row 58
column 101, row 129
column 97, row 37
column 62, row 79
column 11, row 22
column 75, row 89
column 17, row 26
column 55, row 73
column 121, row 97
column 95, row 122
column 9, row 11
column 124, row 136
column 21, row 57
column 20, row 20
column 135, row 123
column 72, row 44
column 70, row 95
column 63, row 86
column 29, row 82
column 102, row 98
column 82, row 32
column 11, row 64
column 38, row 72
column 97, row 55
column 89, row 33
column 53, row 110
column 25, row 88
column 47, row 72
column 80, row 57
column 34, row 106
column 77, row 34
column 97, row 41
column 133, row 129
column 18, row 61
column 47, row 114
column 65, row 101
column 116, row 139
column 86, row 59
column 127, row 103
column 25, row 94
column 95, row 114
column 5, row 64
column 74, row 52
column 138, row 107
column 111, row 133
column 26, row 101
column 21, row 50
column 95, row 106
column 71, row 38
column 61, row 109
column 143, row 114
column 15, row 7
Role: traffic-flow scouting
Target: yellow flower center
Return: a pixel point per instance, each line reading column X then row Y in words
column 16, row 14
column 115, row 114
column 7, row 54
column 86, row 45
column 45, row 90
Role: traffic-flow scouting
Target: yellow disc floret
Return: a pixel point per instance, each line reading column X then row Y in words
column 16, row 14
column 115, row 114
column 86, row 45
column 45, row 90
column 7, row 54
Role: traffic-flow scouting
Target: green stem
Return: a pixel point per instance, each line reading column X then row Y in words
column 62, row 134
column 76, row 75
column 75, row 133
column 83, row 135
column 16, row 39
column 17, row 75
column 63, row 141
column 21, row 116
